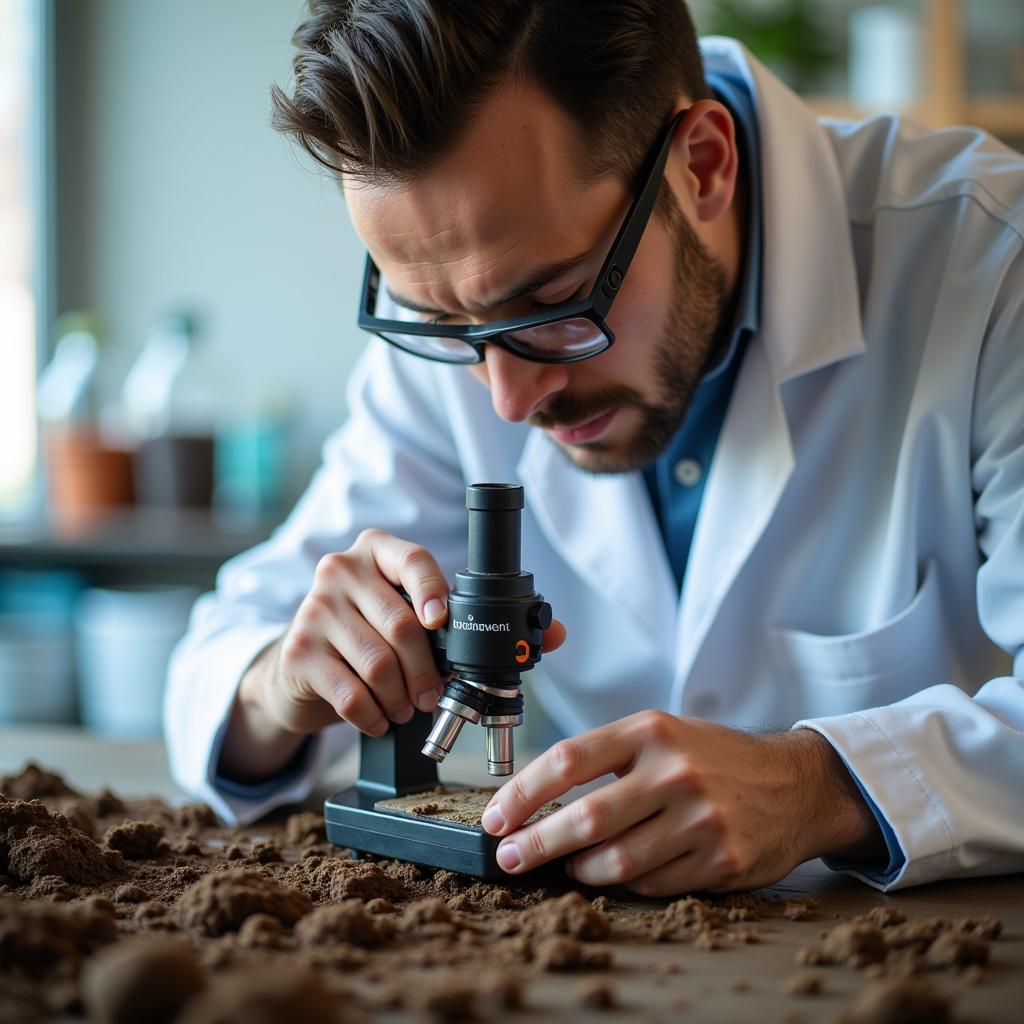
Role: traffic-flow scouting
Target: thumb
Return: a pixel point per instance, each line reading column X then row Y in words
column 554, row 637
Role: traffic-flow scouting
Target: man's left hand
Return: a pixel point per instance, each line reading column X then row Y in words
column 695, row 806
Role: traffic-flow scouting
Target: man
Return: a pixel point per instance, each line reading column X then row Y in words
column 761, row 377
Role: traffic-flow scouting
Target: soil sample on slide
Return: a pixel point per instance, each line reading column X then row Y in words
column 461, row 805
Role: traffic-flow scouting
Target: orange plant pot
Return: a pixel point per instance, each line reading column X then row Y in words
column 87, row 479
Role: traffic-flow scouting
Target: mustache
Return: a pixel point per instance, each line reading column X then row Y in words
column 567, row 411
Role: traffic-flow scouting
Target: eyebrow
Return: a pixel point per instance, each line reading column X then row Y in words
column 534, row 282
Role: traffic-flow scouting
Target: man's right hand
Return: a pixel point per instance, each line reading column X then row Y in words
column 355, row 651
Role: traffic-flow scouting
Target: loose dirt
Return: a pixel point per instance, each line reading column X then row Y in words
column 121, row 910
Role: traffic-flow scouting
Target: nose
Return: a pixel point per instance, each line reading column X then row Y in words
column 518, row 387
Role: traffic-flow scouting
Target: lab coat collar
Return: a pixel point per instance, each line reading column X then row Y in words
column 811, row 298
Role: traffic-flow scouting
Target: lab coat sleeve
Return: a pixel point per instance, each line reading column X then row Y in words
column 393, row 466
column 945, row 769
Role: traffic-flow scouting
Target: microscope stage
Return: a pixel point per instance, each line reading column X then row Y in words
column 354, row 818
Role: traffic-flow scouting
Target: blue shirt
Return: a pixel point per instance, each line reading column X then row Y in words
column 675, row 481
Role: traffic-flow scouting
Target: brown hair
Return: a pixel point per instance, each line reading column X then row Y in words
column 384, row 88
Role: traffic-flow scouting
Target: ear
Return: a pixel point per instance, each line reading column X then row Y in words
column 704, row 161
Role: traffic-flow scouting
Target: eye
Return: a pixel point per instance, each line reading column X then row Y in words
column 576, row 296
column 446, row 319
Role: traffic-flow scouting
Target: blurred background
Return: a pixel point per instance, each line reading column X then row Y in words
column 178, row 292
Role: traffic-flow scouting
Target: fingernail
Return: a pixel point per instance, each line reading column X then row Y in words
column 508, row 856
column 433, row 610
column 427, row 701
column 404, row 714
column 493, row 820
column 380, row 728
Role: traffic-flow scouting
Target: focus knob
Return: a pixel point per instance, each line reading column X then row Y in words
column 540, row 615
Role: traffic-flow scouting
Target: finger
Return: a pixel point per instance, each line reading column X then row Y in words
column 387, row 612
column 633, row 853
column 371, row 658
column 554, row 637
column 691, row 872
column 348, row 696
column 568, row 763
column 593, row 818
column 411, row 566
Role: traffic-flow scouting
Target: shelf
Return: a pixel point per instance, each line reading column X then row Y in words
column 1000, row 115
column 134, row 544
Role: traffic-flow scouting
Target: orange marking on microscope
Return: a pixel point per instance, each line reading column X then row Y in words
column 522, row 651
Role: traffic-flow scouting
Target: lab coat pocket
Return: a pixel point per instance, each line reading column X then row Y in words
column 835, row 675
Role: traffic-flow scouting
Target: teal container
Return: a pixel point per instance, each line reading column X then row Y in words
column 37, row 666
column 249, row 469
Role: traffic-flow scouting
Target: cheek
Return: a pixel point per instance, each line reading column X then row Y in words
column 479, row 371
column 641, row 308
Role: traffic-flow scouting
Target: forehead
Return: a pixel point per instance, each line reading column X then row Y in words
column 508, row 197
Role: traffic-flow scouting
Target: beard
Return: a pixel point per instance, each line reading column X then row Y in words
column 696, row 312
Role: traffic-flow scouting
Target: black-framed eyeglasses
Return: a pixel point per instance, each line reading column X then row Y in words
column 563, row 334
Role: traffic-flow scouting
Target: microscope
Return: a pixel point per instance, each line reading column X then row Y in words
column 495, row 626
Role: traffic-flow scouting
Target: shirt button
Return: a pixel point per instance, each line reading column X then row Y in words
column 688, row 472
column 705, row 705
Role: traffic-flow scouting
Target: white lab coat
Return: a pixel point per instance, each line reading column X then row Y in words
column 858, row 563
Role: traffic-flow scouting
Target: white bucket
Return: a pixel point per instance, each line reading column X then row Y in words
column 124, row 640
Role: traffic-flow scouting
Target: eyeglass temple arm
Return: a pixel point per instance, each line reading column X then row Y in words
column 627, row 241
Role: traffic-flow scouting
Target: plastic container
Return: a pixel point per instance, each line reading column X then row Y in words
column 37, row 668
column 175, row 471
column 37, row 682
column 250, row 466
column 124, row 639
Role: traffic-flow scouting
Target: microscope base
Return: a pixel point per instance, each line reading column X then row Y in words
column 353, row 820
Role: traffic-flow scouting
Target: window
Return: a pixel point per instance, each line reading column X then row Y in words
column 21, row 170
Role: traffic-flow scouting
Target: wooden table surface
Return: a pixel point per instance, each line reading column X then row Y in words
column 708, row 980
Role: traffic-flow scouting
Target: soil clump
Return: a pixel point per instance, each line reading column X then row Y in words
column 888, row 946
column 222, row 901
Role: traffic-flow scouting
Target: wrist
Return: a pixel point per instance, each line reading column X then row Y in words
column 256, row 744
column 841, row 824
column 255, row 697
column 252, row 690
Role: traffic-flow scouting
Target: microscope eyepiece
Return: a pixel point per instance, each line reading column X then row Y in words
column 495, row 512
column 495, row 497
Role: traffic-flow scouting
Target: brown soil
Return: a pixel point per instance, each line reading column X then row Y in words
column 131, row 910
column 222, row 901
column 463, row 806
column 807, row 983
column 898, row 1001
column 136, row 840
column 888, row 945
column 145, row 979
column 597, row 995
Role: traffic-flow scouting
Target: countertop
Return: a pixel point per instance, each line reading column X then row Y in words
column 739, row 983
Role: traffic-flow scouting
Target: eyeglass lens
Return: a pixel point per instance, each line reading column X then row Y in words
column 569, row 339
